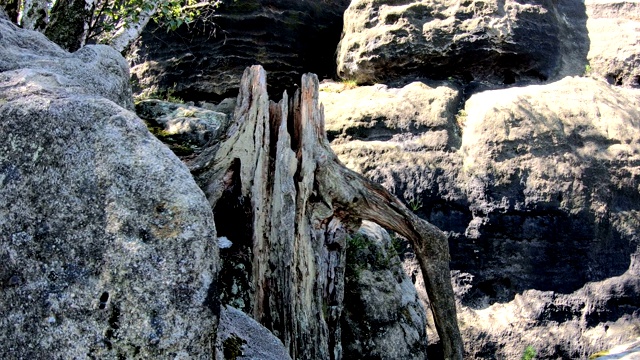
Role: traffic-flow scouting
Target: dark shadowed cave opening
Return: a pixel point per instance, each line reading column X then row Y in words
column 234, row 218
column 547, row 250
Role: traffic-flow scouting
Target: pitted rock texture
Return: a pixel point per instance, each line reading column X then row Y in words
column 416, row 115
column 286, row 37
column 383, row 317
column 614, row 35
column 502, row 42
column 391, row 134
column 107, row 245
column 93, row 70
column 183, row 127
column 240, row 335
column 542, row 194
column 597, row 317
column 566, row 172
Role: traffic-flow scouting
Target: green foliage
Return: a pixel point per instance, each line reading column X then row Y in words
column 168, row 95
column 349, row 84
column 388, row 260
column 397, row 244
column 362, row 253
column 356, row 244
column 178, row 148
column 414, row 204
column 461, row 118
column 107, row 17
column 529, row 353
column 587, row 70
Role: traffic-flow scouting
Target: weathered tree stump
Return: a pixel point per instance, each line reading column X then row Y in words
column 300, row 205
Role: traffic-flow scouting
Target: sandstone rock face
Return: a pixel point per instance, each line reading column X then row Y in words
column 206, row 62
column 502, row 42
column 568, row 326
column 614, row 35
column 390, row 134
column 569, row 166
column 416, row 116
column 107, row 245
column 541, row 205
column 383, row 317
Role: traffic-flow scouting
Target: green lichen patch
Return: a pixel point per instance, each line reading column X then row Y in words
column 599, row 354
column 363, row 253
column 178, row 147
column 232, row 347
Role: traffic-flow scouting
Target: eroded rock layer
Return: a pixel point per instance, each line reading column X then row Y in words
column 540, row 201
column 501, row 42
column 206, row 61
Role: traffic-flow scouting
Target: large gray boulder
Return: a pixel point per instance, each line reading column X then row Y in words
column 540, row 201
column 93, row 70
column 107, row 245
column 501, row 42
column 383, row 317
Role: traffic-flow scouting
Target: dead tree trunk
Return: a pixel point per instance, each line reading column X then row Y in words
column 303, row 203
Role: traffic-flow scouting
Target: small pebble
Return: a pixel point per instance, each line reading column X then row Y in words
column 224, row 243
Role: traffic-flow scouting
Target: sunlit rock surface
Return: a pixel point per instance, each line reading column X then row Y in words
column 540, row 200
column 501, row 42
column 107, row 245
column 614, row 41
